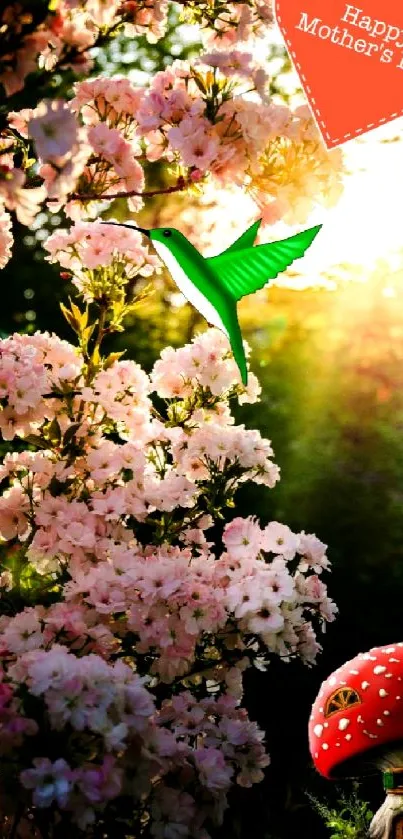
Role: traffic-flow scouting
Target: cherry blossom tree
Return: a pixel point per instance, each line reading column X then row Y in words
column 125, row 630
column 210, row 122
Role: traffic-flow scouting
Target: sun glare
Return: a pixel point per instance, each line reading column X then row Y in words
column 366, row 225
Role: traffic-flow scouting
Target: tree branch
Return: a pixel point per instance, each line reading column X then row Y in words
column 180, row 185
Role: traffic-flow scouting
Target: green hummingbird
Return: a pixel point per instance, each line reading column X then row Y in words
column 214, row 285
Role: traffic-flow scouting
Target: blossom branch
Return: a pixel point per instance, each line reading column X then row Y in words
column 180, row 185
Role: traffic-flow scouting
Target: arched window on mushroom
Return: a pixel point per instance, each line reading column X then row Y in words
column 341, row 699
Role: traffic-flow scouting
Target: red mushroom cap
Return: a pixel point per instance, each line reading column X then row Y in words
column 359, row 707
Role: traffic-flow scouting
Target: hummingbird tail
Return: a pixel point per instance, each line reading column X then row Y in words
column 236, row 341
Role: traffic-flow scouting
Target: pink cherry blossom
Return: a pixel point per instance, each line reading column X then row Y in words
column 50, row 782
column 6, row 238
column 278, row 538
column 214, row 773
column 24, row 632
column 53, row 129
column 243, row 536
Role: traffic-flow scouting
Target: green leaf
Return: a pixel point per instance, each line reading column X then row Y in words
column 71, row 320
column 81, row 317
column 96, row 357
column 33, row 440
column 69, row 435
column 199, row 81
column 114, row 356
column 54, row 432
column 87, row 334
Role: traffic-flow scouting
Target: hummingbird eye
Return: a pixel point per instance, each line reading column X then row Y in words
column 167, row 233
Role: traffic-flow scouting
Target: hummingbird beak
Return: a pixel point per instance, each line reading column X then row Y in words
column 129, row 226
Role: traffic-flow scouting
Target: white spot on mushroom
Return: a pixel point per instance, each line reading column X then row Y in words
column 318, row 730
column 354, row 672
column 364, row 685
column 360, row 719
column 316, row 755
column 321, row 710
column 379, row 669
column 343, row 724
column 332, row 680
column 390, row 649
column 371, row 736
column 379, row 722
column 325, row 746
column 348, row 736
column 386, row 713
column 325, row 725
column 338, row 745
column 383, row 693
column 398, row 697
column 394, row 661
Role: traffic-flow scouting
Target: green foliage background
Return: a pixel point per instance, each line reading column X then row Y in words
column 330, row 364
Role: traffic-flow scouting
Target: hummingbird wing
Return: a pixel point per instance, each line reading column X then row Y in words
column 242, row 272
column 247, row 240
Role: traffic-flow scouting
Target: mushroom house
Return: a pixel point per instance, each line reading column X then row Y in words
column 356, row 728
